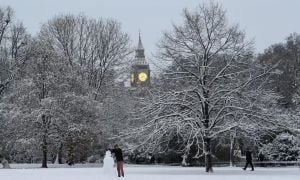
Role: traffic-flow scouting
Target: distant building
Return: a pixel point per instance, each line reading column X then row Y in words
column 140, row 71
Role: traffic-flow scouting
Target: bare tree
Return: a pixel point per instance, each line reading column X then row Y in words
column 92, row 48
column 286, row 55
column 210, row 86
column 13, row 41
column 18, row 39
column 6, row 15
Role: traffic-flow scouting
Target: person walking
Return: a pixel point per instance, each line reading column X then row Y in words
column 248, row 160
column 120, row 161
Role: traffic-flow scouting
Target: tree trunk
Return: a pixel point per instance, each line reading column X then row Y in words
column 207, row 150
column 232, row 143
column 45, row 152
column 60, row 153
column 184, row 160
column 186, row 155
column 208, row 157
column 56, row 159
column 71, row 155
column 44, row 143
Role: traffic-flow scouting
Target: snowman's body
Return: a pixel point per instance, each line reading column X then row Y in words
column 108, row 164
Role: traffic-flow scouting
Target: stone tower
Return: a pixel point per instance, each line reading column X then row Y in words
column 140, row 71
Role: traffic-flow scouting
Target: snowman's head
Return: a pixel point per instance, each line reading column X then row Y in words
column 108, row 154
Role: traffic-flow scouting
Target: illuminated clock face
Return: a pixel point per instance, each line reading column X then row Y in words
column 132, row 77
column 143, row 76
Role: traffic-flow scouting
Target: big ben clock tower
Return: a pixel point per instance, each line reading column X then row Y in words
column 140, row 71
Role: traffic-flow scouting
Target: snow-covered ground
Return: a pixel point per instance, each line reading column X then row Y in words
column 151, row 173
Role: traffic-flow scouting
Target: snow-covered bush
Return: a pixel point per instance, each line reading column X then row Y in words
column 78, row 143
column 283, row 148
column 92, row 159
column 24, row 150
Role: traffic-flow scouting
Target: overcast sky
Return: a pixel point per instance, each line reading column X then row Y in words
column 267, row 21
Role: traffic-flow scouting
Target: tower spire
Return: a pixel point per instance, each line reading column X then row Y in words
column 140, row 52
column 140, row 45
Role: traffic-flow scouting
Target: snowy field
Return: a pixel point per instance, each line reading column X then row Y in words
column 150, row 173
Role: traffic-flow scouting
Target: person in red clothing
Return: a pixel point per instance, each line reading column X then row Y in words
column 120, row 161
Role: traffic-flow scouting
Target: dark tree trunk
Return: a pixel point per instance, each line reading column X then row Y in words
column 45, row 153
column 44, row 142
column 60, row 153
column 208, row 157
column 45, row 123
column 71, row 155
column 207, row 143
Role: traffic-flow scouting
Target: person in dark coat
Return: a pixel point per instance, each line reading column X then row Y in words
column 248, row 160
column 120, row 160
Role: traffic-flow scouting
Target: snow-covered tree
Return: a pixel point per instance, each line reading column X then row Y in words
column 286, row 56
column 13, row 51
column 13, row 41
column 70, row 73
column 212, row 87
column 92, row 53
column 92, row 49
column 283, row 148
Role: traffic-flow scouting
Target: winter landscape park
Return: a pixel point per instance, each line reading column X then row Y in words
column 149, row 90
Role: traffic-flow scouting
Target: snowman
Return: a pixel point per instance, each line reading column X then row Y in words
column 108, row 164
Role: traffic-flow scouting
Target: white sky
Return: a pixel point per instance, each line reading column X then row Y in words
column 267, row 21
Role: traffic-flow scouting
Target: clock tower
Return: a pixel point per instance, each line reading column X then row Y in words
column 140, row 71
